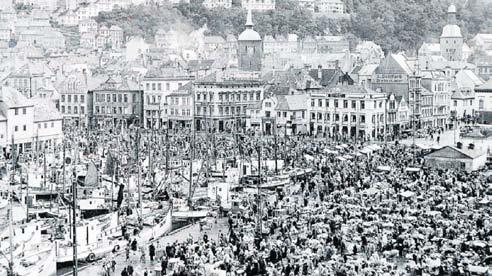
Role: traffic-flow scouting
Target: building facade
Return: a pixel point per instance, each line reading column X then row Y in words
column 258, row 5
column 348, row 111
column 222, row 98
column 116, row 103
column 250, row 47
column 157, row 86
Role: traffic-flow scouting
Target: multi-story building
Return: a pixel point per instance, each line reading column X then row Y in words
column 483, row 95
column 73, row 99
column 329, row 6
column 463, row 103
column 283, row 114
column 213, row 4
column 88, row 26
column 116, row 102
column 332, row 44
column 451, row 39
column 258, row 5
column 348, row 111
column 397, row 115
column 157, row 86
column 24, row 121
column 250, row 47
column 29, row 78
column 222, row 98
column 179, row 108
column 438, row 84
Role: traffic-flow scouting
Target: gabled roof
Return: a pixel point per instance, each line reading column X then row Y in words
column 196, row 65
column 471, row 76
column 462, row 94
column 485, row 87
column 368, row 69
column 10, row 97
column 394, row 63
column 292, row 102
column 450, row 152
column 329, row 77
column 45, row 110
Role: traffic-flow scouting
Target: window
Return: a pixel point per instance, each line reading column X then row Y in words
column 258, row 96
column 16, row 128
column 75, row 110
column 69, row 98
column 336, row 103
column 63, row 109
column 63, row 98
column 455, row 103
column 153, row 86
column 114, row 98
column 82, row 110
column 125, row 98
column 69, row 110
column 75, row 98
column 120, row 98
column 320, row 103
column 45, row 125
column 327, row 103
column 167, row 86
column 159, row 86
column 147, row 86
column 481, row 104
column 24, row 111
column 354, row 105
column 285, row 114
column 24, row 127
column 16, row 111
column 362, row 104
column 312, row 103
column 313, row 116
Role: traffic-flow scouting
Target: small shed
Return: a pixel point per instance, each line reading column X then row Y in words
column 457, row 158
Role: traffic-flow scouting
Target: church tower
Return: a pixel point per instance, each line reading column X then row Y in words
column 250, row 47
column 451, row 39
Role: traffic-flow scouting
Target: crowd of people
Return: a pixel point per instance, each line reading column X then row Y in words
column 374, row 213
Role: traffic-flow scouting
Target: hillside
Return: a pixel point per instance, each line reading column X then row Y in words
column 394, row 24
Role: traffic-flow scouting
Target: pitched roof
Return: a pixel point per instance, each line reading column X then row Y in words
column 485, row 87
column 45, row 110
column 368, row 69
column 394, row 63
column 10, row 97
column 292, row 102
column 455, row 153
column 329, row 77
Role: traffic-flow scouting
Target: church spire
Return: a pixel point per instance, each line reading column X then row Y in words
column 249, row 20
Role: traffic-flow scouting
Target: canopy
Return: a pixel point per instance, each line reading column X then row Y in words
column 407, row 194
column 384, row 168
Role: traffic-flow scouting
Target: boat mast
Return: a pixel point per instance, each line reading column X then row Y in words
column 11, row 230
column 74, row 217
column 137, row 148
column 192, row 152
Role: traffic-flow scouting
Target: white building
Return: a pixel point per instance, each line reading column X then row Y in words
column 25, row 121
column 329, row 6
column 258, row 5
column 213, row 4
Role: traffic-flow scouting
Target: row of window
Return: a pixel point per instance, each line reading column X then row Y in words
column 153, row 99
column 158, row 86
column 24, row 127
column 76, row 98
column 353, row 103
column 16, row 111
column 229, row 97
column 76, row 110
column 176, row 101
column 345, row 117
column 115, row 98
column 175, row 111
column 112, row 110
column 222, row 110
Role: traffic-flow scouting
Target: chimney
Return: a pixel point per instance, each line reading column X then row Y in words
column 320, row 72
column 459, row 145
column 84, row 71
